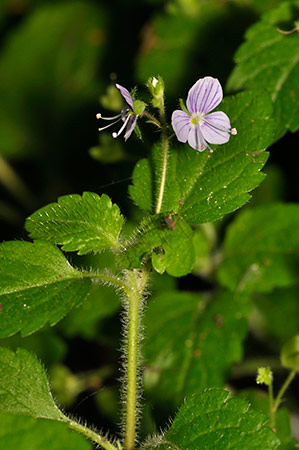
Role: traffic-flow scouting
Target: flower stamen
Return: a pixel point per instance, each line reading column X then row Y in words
column 110, row 124
column 232, row 131
column 99, row 116
column 115, row 135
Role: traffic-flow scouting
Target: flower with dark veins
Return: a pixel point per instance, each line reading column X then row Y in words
column 195, row 123
column 128, row 114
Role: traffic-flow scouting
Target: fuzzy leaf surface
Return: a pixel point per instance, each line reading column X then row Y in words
column 178, row 360
column 270, row 59
column 25, row 387
column 82, row 224
column 37, row 286
column 27, row 433
column 261, row 249
column 171, row 250
column 202, row 187
column 212, row 422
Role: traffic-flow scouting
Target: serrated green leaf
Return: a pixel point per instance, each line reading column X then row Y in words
column 259, row 400
column 270, row 59
column 24, row 387
column 261, row 249
column 202, row 187
column 37, row 286
column 209, row 421
column 183, row 330
column 82, row 224
column 26, row 433
column 169, row 247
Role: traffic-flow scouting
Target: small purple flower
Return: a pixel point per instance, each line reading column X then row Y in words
column 127, row 115
column 195, row 124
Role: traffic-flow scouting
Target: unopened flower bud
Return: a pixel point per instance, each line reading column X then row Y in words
column 156, row 87
column 264, row 376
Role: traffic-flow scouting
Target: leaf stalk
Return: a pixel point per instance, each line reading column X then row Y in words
column 90, row 434
column 275, row 403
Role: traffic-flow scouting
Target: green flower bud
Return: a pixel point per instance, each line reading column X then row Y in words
column 264, row 376
column 156, row 87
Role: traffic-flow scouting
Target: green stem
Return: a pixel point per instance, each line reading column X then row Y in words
column 282, row 390
column 87, row 432
column 165, row 146
column 106, row 278
column 137, row 282
column 152, row 118
column 271, row 411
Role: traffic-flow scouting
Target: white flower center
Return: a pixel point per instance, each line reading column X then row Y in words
column 197, row 119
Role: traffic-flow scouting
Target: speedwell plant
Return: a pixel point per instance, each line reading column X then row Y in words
column 204, row 165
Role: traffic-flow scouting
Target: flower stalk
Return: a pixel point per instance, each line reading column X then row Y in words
column 159, row 98
column 165, row 145
column 277, row 401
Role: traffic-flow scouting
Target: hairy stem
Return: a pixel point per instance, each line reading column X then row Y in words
column 137, row 282
column 163, row 173
column 165, row 145
column 152, row 118
column 90, row 434
column 108, row 278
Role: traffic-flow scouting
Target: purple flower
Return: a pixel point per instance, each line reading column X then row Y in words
column 195, row 124
column 127, row 115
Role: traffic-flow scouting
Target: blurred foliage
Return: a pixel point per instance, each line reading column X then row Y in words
column 47, row 72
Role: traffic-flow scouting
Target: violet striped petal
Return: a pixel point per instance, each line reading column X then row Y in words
column 204, row 95
column 196, row 139
column 126, row 95
column 180, row 122
column 130, row 127
column 216, row 128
